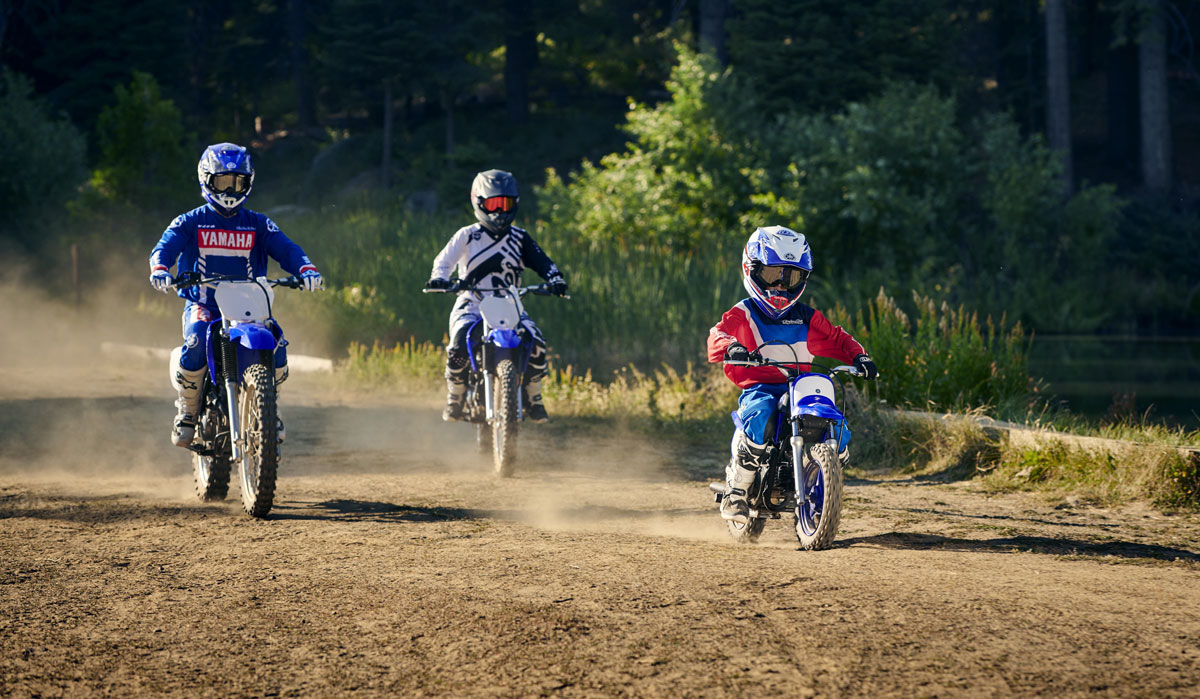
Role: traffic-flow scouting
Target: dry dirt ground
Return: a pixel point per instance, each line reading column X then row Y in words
column 395, row 563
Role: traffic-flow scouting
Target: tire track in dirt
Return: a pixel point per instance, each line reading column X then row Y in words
column 394, row 562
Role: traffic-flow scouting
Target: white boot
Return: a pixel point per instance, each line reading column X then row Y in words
column 187, row 384
column 739, row 476
column 455, row 394
column 281, row 374
column 536, row 410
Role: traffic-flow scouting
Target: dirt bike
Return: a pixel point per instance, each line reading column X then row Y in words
column 498, row 347
column 238, row 414
column 802, row 475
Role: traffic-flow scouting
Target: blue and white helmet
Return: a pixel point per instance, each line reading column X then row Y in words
column 776, row 263
column 226, row 176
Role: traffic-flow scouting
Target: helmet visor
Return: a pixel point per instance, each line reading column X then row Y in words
column 786, row 276
column 495, row 205
column 229, row 183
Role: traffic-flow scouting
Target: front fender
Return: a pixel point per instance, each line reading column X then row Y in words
column 251, row 336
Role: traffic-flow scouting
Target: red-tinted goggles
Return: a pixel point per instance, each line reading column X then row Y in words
column 494, row 205
column 791, row 278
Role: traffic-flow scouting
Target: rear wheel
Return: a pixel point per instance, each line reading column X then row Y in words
column 817, row 521
column 259, row 430
column 212, row 472
column 749, row 532
column 504, row 418
column 477, row 413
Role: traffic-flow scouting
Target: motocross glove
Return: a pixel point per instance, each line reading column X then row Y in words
column 737, row 352
column 313, row 281
column 439, row 284
column 866, row 367
column 162, row 280
column 557, row 286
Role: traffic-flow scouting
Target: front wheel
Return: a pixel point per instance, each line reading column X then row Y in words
column 817, row 521
column 504, row 418
column 260, row 439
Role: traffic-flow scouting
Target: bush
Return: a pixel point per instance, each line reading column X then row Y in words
column 145, row 160
column 41, row 159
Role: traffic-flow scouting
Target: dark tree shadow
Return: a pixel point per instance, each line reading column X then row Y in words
column 369, row 511
column 1025, row 544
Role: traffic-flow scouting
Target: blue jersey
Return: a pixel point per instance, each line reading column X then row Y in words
column 206, row 242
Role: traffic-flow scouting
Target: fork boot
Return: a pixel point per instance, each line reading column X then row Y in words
column 281, row 374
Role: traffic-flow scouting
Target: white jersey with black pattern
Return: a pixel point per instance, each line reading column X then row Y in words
column 480, row 259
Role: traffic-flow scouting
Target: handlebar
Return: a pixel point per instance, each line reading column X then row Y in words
column 189, row 279
column 793, row 367
column 535, row 289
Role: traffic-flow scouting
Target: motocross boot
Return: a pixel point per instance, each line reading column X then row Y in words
column 187, row 384
column 455, row 395
column 281, row 374
column 739, row 476
column 535, row 410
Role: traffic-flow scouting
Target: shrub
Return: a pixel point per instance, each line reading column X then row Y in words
column 41, row 158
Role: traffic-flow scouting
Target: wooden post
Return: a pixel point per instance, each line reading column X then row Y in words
column 75, row 274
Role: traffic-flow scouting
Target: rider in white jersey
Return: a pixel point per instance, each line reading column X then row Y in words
column 490, row 253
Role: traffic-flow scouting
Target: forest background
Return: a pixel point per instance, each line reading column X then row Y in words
column 990, row 168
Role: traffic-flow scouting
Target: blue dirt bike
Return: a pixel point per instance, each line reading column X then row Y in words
column 802, row 474
column 238, row 413
column 498, row 346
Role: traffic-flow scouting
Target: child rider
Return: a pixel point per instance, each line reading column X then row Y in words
column 776, row 263
column 220, row 237
column 492, row 252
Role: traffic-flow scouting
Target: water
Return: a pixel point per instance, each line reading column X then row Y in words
column 1092, row 373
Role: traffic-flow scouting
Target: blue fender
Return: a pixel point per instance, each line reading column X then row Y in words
column 818, row 406
column 504, row 337
column 255, row 337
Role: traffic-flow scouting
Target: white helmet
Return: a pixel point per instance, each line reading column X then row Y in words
column 776, row 263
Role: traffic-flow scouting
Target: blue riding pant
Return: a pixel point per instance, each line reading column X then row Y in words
column 758, row 410
column 196, row 319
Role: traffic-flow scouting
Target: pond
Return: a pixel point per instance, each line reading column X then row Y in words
column 1092, row 373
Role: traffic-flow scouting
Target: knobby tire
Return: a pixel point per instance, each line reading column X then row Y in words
column 257, row 413
column 504, row 418
column 824, row 458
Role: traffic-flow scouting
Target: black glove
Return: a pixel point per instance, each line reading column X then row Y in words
column 866, row 367
column 557, row 286
column 439, row 284
column 737, row 352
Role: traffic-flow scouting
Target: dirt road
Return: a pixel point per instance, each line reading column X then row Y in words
column 394, row 563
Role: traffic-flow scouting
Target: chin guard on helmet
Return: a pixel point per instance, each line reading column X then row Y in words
column 226, row 175
column 776, row 263
column 494, row 199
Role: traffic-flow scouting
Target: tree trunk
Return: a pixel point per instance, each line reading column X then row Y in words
column 1155, row 111
column 385, row 174
column 520, row 56
column 448, row 112
column 1122, row 97
column 1058, row 90
column 297, row 31
column 712, row 29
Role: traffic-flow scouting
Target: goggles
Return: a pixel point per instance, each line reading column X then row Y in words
column 791, row 278
column 229, row 183
column 495, row 205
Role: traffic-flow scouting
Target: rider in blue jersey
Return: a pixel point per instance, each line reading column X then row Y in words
column 220, row 237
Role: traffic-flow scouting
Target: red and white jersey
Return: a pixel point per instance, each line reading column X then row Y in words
column 803, row 330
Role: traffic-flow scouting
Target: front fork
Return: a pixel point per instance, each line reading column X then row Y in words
column 798, row 465
column 488, row 401
column 229, row 367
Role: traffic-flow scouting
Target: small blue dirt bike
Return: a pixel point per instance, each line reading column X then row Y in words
column 802, row 473
column 498, row 346
column 238, row 413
